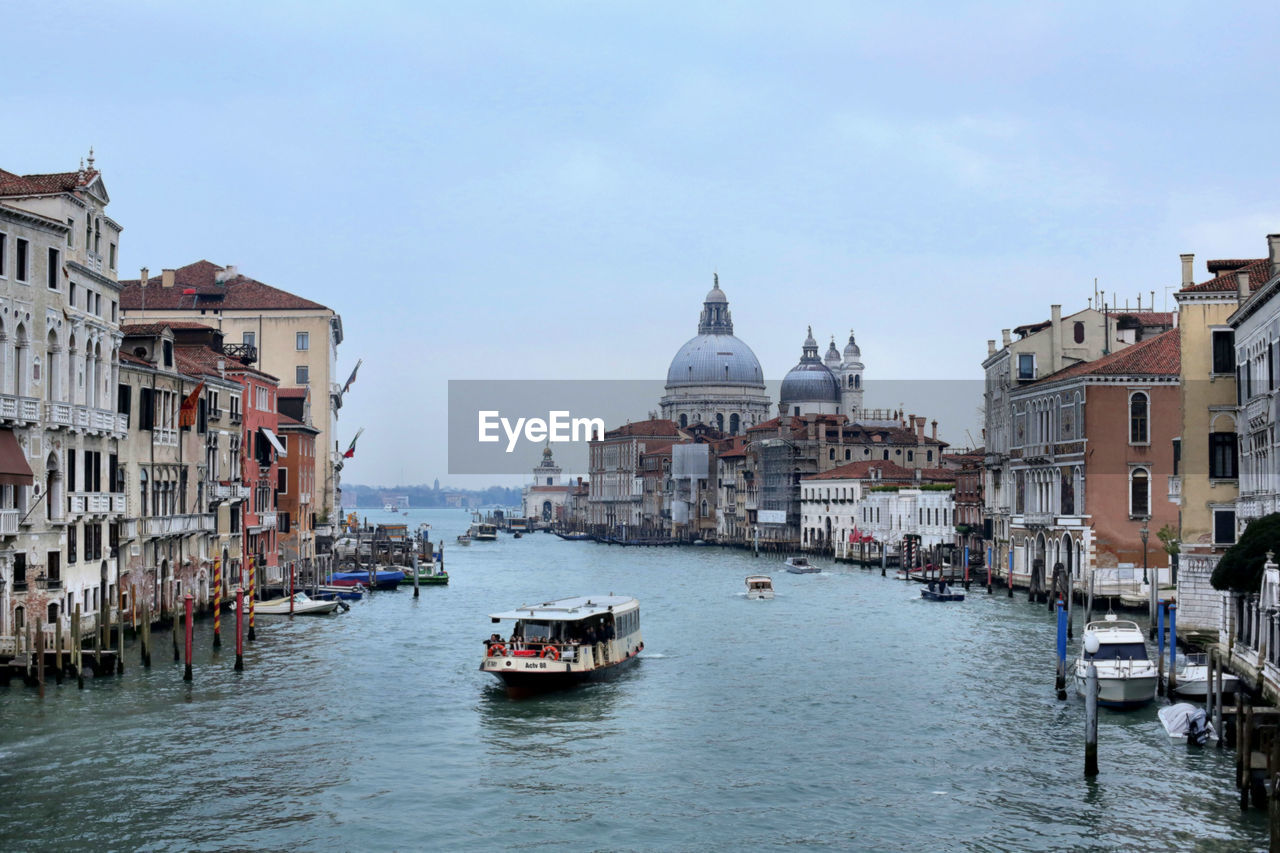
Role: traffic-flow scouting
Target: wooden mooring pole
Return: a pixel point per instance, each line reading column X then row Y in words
column 76, row 647
column 57, row 650
column 1173, row 649
column 40, row 656
column 1217, row 702
column 1159, row 648
column 1061, row 681
column 1091, row 722
column 239, row 631
column 217, row 603
column 188, row 602
column 415, row 572
column 177, row 656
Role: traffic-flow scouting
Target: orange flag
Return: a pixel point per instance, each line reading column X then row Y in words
column 187, row 414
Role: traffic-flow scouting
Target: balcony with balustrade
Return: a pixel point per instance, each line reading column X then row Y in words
column 267, row 519
column 19, row 411
column 180, row 525
column 1175, row 490
column 165, row 437
column 9, row 521
column 96, row 503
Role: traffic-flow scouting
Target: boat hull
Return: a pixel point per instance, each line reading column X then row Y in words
column 760, row 596
column 931, row 595
column 539, row 675
column 1122, row 692
column 1193, row 683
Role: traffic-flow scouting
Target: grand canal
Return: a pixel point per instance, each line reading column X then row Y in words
column 844, row 714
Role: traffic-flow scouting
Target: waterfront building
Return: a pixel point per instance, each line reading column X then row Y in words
column 200, row 353
column 655, row 490
column 170, row 537
column 892, row 513
column 59, row 428
column 546, row 497
column 1206, row 487
column 260, row 454
column 295, row 490
column 831, row 508
column 1091, row 451
column 735, row 491
column 715, row 378
column 290, row 337
column 615, row 501
column 970, row 531
column 1042, row 348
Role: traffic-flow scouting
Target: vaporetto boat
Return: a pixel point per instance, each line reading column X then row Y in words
column 1126, row 675
column 561, row 643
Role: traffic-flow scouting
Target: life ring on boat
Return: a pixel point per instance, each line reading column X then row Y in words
column 550, row 651
column 497, row 650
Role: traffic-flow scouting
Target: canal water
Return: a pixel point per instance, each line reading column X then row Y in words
column 845, row 714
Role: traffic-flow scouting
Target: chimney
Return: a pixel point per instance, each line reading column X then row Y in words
column 1055, row 337
column 1273, row 250
column 143, row 276
column 1242, row 285
column 991, row 346
column 935, row 427
column 166, row 278
column 1188, row 270
column 919, row 426
column 1004, row 334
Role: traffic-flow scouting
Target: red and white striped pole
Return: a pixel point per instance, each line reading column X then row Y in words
column 188, row 603
column 239, row 625
column 217, row 603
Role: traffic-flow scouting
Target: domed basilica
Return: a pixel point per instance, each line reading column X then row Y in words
column 831, row 385
column 715, row 378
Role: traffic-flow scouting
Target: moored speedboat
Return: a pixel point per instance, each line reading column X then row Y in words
column 1186, row 722
column 759, row 587
column 1193, row 677
column 561, row 643
column 302, row 605
column 801, row 566
column 1126, row 676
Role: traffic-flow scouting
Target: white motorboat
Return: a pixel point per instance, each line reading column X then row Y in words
column 801, row 566
column 303, row 605
column 1188, row 723
column 759, row 587
column 561, row 643
column 1126, row 675
column 464, row 539
column 1193, row 677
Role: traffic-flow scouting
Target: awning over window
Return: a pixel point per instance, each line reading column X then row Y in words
column 14, row 470
column 275, row 442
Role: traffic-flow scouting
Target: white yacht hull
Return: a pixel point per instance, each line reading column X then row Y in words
column 1193, row 682
column 1119, row 689
column 760, row 595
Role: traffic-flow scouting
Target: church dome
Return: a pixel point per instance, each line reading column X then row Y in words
column 714, row 356
column 851, row 350
column 832, row 358
column 810, row 381
column 715, row 360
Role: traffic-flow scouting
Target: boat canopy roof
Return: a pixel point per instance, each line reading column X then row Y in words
column 570, row 609
column 1115, row 631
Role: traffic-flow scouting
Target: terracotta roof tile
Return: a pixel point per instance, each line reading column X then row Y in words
column 654, row 427
column 56, row 182
column 1158, row 356
column 862, row 471
column 1259, row 271
column 235, row 293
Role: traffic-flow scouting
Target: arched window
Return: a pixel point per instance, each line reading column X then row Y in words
column 733, row 424
column 684, row 420
column 857, row 380
column 1139, row 427
column 720, row 421
column 1140, row 493
column 1079, row 332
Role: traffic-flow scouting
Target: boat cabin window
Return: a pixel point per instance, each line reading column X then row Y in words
column 529, row 629
column 1119, row 651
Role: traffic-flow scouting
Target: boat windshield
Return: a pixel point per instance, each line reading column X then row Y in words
column 1119, row 651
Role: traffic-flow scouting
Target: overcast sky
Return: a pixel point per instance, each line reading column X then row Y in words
column 543, row 190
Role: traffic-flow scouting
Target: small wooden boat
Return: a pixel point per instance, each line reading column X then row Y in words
column 516, row 535
column 1188, row 723
column 801, row 566
column 576, row 537
column 382, row 578
column 759, row 588
column 940, row 592
column 346, row 593
column 427, row 576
